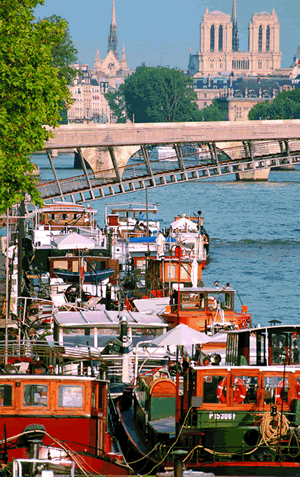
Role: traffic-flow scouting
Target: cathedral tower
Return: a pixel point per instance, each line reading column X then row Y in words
column 113, row 37
column 235, row 31
column 97, row 63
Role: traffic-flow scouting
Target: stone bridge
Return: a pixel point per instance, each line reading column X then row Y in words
column 230, row 147
column 105, row 146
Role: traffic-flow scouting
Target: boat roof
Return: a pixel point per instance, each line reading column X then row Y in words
column 107, row 319
column 207, row 289
column 132, row 207
column 67, row 206
column 268, row 327
column 151, row 239
column 263, row 369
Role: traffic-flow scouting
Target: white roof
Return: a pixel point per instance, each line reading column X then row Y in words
column 107, row 319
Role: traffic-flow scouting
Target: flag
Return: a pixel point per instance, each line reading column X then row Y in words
column 82, row 274
column 127, row 304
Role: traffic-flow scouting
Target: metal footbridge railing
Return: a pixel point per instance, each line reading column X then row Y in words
column 219, row 160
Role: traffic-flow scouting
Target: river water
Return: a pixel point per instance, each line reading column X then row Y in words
column 254, row 230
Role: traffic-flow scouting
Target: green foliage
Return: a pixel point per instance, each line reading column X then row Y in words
column 63, row 52
column 63, row 116
column 285, row 106
column 31, row 92
column 116, row 103
column 155, row 95
column 211, row 113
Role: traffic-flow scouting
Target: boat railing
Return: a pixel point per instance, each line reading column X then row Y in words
column 115, row 371
column 44, row 235
column 17, row 356
column 18, row 465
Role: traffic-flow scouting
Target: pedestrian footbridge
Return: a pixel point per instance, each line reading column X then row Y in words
column 200, row 151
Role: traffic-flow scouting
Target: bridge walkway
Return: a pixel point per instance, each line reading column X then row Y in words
column 246, row 156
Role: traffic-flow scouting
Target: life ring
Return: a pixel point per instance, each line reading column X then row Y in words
column 205, row 241
column 220, row 389
column 278, row 398
column 239, row 393
column 211, row 303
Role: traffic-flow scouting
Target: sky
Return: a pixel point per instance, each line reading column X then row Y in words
column 163, row 32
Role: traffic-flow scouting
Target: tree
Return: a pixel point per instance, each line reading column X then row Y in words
column 156, row 95
column 211, row 113
column 116, row 102
column 285, row 106
column 63, row 52
column 31, row 92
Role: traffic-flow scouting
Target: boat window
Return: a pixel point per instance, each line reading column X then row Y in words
column 94, row 392
column 214, row 389
column 245, row 390
column 190, row 300
column 295, row 347
column 232, row 349
column 101, row 397
column 5, row 395
column 35, row 395
column 227, row 301
column 260, row 348
column 140, row 263
column 70, row 396
column 279, row 346
column 275, row 390
column 184, row 272
column 171, row 271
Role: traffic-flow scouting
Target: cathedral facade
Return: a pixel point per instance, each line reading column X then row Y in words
column 111, row 66
column 219, row 45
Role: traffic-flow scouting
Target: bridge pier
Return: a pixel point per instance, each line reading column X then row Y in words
column 112, row 159
column 257, row 175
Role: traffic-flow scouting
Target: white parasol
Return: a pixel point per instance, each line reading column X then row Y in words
column 183, row 224
column 181, row 335
column 74, row 241
column 194, row 273
column 160, row 240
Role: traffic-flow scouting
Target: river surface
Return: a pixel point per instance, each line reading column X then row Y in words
column 254, row 230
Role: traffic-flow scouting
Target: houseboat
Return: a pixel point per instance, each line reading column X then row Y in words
column 50, row 227
column 241, row 417
column 209, row 309
column 54, row 407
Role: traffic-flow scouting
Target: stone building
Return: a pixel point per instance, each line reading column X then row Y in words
column 90, row 85
column 240, row 93
column 219, row 45
column 88, row 100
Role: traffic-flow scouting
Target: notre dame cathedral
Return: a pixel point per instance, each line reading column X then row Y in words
column 219, row 45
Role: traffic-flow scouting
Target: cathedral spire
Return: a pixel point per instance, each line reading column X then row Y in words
column 235, row 31
column 124, row 62
column 113, row 17
column 113, row 37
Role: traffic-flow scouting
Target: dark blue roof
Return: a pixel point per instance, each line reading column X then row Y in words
column 148, row 239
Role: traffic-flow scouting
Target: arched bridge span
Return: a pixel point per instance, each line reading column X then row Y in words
column 201, row 150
